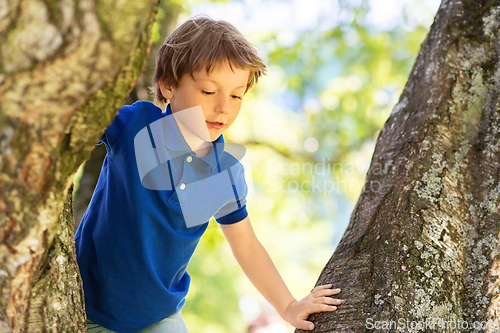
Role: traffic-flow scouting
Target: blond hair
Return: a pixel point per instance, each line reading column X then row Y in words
column 204, row 43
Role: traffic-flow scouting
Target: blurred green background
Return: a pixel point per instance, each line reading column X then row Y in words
column 335, row 70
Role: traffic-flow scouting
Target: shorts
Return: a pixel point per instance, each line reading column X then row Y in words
column 173, row 324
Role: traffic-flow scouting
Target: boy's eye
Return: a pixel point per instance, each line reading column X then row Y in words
column 207, row 92
column 236, row 97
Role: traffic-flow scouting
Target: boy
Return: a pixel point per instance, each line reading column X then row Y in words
column 165, row 175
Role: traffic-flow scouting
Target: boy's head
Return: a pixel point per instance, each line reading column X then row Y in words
column 202, row 43
column 210, row 64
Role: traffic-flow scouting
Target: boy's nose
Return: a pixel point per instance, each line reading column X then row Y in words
column 223, row 111
column 222, row 106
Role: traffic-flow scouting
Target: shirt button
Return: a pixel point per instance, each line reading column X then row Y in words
column 183, row 186
column 189, row 159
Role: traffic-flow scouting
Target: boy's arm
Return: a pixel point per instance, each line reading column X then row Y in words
column 260, row 270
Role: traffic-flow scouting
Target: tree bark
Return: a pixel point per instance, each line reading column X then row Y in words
column 423, row 238
column 166, row 21
column 66, row 66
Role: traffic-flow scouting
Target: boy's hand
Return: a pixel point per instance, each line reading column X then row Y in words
column 317, row 301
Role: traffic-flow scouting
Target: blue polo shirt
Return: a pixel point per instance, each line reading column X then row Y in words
column 149, row 209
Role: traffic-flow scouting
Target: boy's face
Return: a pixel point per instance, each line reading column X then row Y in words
column 219, row 93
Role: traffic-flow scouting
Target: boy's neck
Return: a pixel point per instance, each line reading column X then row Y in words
column 202, row 152
column 199, row 146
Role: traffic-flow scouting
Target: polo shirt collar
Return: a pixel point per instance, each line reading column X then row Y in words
column 174, row 140
column 212, row 158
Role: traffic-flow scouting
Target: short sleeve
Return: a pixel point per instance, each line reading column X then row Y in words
column 234, row 217
column 236, row 210
column 116, row 128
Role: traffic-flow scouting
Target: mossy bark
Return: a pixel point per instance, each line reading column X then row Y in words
column 166, row 21
column 421, row 252
column 66, row 66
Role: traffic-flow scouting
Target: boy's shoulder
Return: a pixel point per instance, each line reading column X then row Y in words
column 145, row 106
column 140, row 113
column 233, row 155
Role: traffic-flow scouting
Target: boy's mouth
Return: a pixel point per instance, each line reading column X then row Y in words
column 215, row 124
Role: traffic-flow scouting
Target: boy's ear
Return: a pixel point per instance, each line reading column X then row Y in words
column 166, row 91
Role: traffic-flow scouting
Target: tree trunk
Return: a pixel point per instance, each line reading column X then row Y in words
column 66, row 66
column 166, row 21
column 422, row 243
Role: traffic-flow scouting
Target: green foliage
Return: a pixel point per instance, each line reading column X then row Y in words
column 354, row 73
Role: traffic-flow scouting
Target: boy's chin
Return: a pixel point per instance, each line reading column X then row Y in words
column 214, row 134
column 214, row 137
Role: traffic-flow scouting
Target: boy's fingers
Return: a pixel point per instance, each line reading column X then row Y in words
column 328, row 302
column 306, row 325
column 326, row 292
column 333, row 301
column 336, row 291
column 318, row 288
column 324, row 286
column 324, row 308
